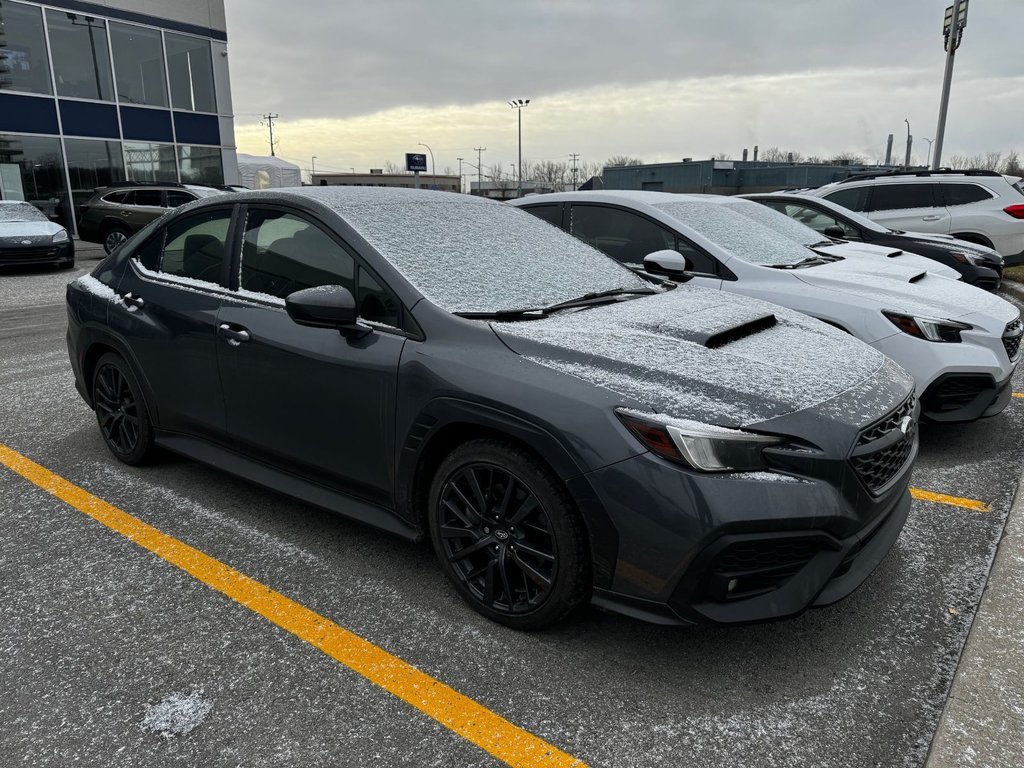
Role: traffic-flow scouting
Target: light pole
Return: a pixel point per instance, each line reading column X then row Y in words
column 518, row 105
column 433, row 168
column 910, row 141
column 952, row 32
column 312, row 170
column 460, row 174
column 928, row 158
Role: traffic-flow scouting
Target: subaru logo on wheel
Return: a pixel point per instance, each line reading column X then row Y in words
column 501, row 535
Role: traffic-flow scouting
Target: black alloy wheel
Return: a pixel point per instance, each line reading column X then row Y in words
column 121, row 411
column 507, row 535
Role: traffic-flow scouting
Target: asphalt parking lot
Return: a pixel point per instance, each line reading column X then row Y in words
column 113, row 656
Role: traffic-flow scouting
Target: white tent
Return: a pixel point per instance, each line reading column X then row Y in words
column 267, row 172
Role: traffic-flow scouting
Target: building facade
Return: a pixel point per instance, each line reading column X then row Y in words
column 117, row 90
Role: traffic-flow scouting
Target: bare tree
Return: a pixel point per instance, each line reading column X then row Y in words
column 503, row 180
column 847, row 158
column 550, row 173
column 1011, row 165
column 391, row 168
column 619, row 161
column 776, row 155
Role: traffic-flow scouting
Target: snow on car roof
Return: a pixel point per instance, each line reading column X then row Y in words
column 16, row 210
column 469, row 254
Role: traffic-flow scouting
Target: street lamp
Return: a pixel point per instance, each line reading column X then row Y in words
column 952, row 32
column 910, row 141
column 460, row 174
column 433, row 167
column 518, row 105
column 312, row 171
column 928, row 159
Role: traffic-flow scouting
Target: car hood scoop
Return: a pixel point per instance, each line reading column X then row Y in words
column 698, row 354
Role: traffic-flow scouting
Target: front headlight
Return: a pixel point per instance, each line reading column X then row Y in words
column 703, row 447
column 927, row 328
column 60, row 237
column 967, row 258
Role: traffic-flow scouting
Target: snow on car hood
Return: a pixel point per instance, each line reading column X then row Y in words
column 888, row 286
column 13, row 230
column 895, row 256
column 648, row 349
column 954, row 244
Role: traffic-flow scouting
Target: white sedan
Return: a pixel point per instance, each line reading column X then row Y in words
column 960, row 343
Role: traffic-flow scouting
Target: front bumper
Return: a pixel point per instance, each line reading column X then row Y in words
column 59, row 254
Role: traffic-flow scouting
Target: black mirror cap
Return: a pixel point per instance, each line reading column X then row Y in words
column 834, row 230
column 666, row 262
column 325, row 306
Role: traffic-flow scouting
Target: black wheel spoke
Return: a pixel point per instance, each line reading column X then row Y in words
column 528, row 505
column 474, row 516
column 535, row 575
column 526, row 549
column 474, row 485
column 476, row 546
column 489, row 583
column 510, row 487
column 506, row 583
column 452, row 532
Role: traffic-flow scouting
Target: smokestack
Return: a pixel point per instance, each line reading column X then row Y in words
column 744, row 154
column 888, row 151
column 755, row 153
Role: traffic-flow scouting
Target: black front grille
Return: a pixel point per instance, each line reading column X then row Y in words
column 26, row 255
column 877, row 468
column 749, row 568
column 1011, row 339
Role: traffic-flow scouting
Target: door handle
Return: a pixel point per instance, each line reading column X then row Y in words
column 132, row 302
column 234, row 335
column 126, row 213
column 930, row 218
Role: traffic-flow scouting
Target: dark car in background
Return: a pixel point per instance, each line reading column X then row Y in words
column 115, row 213
column 28, row 238
column 977, row 264
column 562, row 429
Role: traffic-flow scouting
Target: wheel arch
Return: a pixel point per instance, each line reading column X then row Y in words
column 100, row 342
column 973, row 237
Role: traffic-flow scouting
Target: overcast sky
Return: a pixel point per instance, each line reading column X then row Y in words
column 361, row 82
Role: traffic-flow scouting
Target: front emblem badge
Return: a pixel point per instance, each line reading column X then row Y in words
column 26, row 242
column 905, row 424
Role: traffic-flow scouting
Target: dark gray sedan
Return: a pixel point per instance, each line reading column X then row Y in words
column 28, row 238
column 563, row 431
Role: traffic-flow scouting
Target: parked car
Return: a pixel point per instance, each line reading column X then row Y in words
column 562, row 430
column 115, row 213
column 977, row 264
column 28, row 237
column 982, row 207
column 960, row 343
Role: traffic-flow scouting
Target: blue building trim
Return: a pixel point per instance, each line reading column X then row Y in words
column 28, row 114
column 193, row 128
column 95, row 9
column 87, row 118
column 146, row 124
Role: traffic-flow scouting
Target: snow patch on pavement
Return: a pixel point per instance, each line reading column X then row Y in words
column 177, row 715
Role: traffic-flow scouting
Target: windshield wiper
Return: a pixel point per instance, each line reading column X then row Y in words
column 810, row 261
column 536, row 313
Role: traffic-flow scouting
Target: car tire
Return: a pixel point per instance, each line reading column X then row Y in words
column 507, row 535
column 114, row 237
column 121, row 410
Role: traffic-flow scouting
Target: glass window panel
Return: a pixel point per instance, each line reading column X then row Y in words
column 854, row 198
column 23, row 62
column 201, row 165
column 623, row 235
column 190, row 67
column 196, row 246
column 376, row 302
column 962, row 194
column 894, row 197
column 151, row 198
column 138, row 65
column 32, row 169
column 178, row 197
column 92, row 164
column 150, row 162
column 81, row 60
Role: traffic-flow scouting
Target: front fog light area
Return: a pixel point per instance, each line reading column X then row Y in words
column 704, row 447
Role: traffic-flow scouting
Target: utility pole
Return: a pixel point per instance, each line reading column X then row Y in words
column 575, row 156
column 270, row 118
column 479, row 173
column 910, row 143
column 952, row 31
column 460, row 174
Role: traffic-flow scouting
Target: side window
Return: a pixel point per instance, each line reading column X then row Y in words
column 116, row 198
column 283, row 253
column 195, row 246
column 962, row 194
column 149, row 254
column 817, row 220
column 152, row 197
column 623, row 235
column 376, row 302
column 854, row 198
column 176, row 197
column 699, row 261
column 892, row 197
column 552, row 214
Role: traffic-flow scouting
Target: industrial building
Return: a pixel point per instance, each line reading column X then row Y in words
column 96, row 92
column 377, row 178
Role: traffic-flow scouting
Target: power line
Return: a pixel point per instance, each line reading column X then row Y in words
column 479, row 174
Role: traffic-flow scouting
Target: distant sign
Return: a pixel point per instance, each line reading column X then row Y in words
column 415, row 162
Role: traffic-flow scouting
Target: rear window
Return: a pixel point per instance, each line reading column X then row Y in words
column 962, row 194
column 146, row 197
column 892, row 197
column 853, row 198
column 115, row 197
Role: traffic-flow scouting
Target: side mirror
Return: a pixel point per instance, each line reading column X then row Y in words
column 326, row 306
column 668, row 262
column 834, row 230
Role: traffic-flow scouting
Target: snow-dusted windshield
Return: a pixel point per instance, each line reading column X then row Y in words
column 467, row 254
column 780, row 222
column 18, row 211
column 741, row 235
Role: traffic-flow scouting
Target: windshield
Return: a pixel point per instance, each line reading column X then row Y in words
column 467, row 254
column 741, row 235
column 17, row 211
column 852, row 216
column 776, row 220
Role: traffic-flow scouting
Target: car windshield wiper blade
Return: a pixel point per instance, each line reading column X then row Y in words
column 598, row 297
column 534, row 313
column 810, row 261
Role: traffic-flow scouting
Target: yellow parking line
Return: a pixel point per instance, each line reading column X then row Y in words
column 956, row 501
column 1018, row 394
column 467, row 718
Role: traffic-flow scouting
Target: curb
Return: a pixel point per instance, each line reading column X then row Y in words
column 1012, row 287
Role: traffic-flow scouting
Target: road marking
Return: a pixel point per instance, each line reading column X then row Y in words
column 955, row 501
column 1018, row 394
column 474, row 722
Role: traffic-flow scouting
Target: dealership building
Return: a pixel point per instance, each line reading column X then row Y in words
column 97, row 92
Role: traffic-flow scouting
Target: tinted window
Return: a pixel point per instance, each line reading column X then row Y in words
column 23, row 63
column 149, row 254
column 282, row 253
column 200, row 165
column 854, row 198
column 891, row 197
column 176, row 197
column 817, row 220
column 376, row 302
column 962, row 194
column 92, row 164
column 623, row 235
column 150, row 162
column 196, row 246
column 190, row 69
column 552, row 214
column 116, row 197
column 151, row 197
column 138, row 65
column 81, row 60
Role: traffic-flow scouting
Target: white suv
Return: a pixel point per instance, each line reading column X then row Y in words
column 982, row 207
